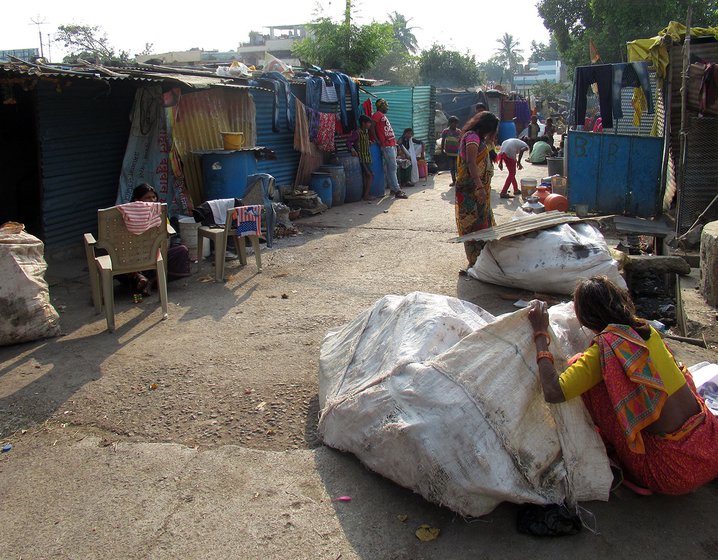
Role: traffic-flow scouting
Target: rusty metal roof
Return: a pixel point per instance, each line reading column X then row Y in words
column 532, row 222
column 197, row 79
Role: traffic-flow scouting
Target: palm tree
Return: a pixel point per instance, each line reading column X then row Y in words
column 403, row 33
column 509, row 54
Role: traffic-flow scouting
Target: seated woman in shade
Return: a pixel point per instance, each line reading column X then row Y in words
column 541, row 150
column 178, row 261
column 643, row 402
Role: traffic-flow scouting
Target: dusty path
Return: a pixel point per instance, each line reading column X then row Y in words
column 195, row 437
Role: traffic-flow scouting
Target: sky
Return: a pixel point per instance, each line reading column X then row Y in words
column 222, row 25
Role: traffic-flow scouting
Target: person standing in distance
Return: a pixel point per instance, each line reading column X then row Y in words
column 385, row 137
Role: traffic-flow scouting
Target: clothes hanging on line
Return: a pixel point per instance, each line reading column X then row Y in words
column 602, row 75
column 301, row 129
column 141, row 216
column 313, row 119
column 329, row 92
column 313, row 93
column 630, row 74
column 325, row 134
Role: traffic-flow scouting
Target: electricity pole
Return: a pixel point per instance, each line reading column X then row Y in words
column 37, row 21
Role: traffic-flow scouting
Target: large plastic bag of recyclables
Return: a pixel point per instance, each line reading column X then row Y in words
column 551, row 260
column 27, row 313
column 441, row 397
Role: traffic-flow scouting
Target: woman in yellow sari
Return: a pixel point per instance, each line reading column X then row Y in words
column 473, row 179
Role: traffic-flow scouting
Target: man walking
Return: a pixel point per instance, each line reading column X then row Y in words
column 384, row 134
column 510, row 153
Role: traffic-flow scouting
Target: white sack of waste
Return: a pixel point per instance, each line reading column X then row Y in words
column 551, row 260
column 27, row 313
column 439, row 396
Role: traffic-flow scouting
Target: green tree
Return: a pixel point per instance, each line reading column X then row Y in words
column 397, row 66
column 610, row 24
column 550, row 91
column 542, row 51
column 88, row 42
column 345, row 46
column 441, row 67
column 403, row 33
column 509, row 55
column 491, row 71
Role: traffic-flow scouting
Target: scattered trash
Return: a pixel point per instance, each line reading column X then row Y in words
column 271, row 432
column 6, row 447
column 426, row 533
column 285, row 296
column 342, row 499
column 521, row 303
column 248, row 391
column 261, row 406
column 403, row 518
column 153, row 387
column 136, row 298
column 205, row 279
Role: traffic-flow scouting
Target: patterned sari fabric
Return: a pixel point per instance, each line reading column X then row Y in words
column 472, row 215
column 629, row 398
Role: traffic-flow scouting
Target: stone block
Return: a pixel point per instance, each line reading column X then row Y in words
column 709, row 263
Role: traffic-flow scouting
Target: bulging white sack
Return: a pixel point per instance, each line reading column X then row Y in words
column 437, row 395
column 550, row 260
column 27, row 313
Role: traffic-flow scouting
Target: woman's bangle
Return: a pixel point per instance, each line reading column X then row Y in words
column 543, row 333
column 543, row 354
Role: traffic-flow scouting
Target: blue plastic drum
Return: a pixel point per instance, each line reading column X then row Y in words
column 507, row 129
column 355, row 181
column 321, row 184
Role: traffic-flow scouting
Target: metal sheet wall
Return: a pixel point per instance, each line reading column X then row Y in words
column 615, row 173
column 82, row 134
column 625, row 125
column 409, row 107
column 701, row 170
column 284, row 168
column 424, row 105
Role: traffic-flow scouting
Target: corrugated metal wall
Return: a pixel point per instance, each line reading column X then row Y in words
column 409, row 107
column 424, row 105
column 400, row 99
column 284, row 168
column 82, row 131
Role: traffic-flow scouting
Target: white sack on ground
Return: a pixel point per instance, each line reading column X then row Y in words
column 27, row 313
column 551, row 260
column 435, row 394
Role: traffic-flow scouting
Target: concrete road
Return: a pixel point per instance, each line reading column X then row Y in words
column 221, row 458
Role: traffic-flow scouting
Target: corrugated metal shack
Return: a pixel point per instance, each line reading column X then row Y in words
column 409, row 107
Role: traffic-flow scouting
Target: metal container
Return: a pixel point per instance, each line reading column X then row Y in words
column 533, row 206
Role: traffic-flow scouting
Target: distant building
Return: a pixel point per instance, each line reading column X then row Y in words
column 192, row 57
column 548, row 70
column 277, row 42
column 25, row 54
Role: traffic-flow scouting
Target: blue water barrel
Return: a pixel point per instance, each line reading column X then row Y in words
column 507, row 129
column 377, row 167
column 321, row 184
column 225, row 172
column 339, row 182
column 355, row 181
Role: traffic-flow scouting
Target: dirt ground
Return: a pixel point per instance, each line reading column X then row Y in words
column 233, row 371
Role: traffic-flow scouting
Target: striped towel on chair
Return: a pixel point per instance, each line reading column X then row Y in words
column 141, row 216
column 249, row 220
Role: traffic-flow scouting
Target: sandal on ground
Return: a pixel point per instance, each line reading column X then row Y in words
column 400, row 194
column 506, row 195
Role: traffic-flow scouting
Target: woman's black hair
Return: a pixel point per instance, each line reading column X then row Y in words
column 598, row 302
column 482, row 123
column 363, row 119
column 141, row 190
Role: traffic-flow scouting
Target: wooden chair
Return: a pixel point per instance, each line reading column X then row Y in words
column 126, row 253
column 220, row 235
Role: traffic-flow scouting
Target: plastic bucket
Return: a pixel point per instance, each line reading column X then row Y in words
column 339, row 182
column 559, row 185
column 188, row 232
column 321, row 184
column 232, row 140
column 527, row 187
column 355, row 181
column 555, row 165
column 377, row 167
column 423, row 168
